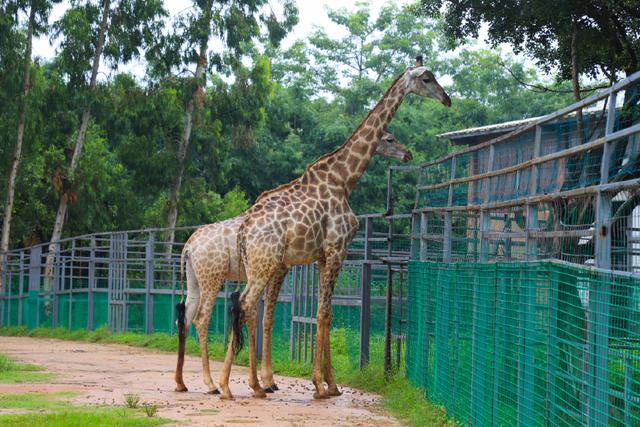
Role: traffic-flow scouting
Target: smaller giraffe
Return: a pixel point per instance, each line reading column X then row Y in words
column 209, row 257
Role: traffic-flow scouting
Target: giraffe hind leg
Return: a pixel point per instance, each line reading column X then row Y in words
column 186, row 313
column 271, row 296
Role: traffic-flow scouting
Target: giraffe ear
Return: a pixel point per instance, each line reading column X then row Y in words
column 419, row 61
column 415, row 72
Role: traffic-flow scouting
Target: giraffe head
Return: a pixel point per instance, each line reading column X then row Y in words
column 390, row 147
column 422, row 82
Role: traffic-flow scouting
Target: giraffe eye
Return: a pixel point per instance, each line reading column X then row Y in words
column 426, row 80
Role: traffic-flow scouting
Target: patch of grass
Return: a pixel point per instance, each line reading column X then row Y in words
column 35, row 401
column 13, row 372
column 403, row 400
column 80, row 418
column 150, row 409
column 131, row 400
column 53, row 409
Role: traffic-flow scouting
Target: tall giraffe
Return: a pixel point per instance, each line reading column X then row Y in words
column 309, row 219
column 209, row 257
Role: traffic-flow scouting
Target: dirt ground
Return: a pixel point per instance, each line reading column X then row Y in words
column 103, row 374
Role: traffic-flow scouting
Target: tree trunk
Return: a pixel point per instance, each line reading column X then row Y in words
column 174, row 191
column 84, row 123
column 17, row 153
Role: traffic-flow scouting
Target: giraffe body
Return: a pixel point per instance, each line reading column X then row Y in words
column 309, row 220
column 210, row 256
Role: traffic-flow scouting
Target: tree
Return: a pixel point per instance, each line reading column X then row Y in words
column 88, row 30
column 235, row 24
column 37, row 16
column 574, row 37
column 372, row 51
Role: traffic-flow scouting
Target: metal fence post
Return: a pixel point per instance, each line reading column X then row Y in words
column 91, row 285
column 485, row 216
column 599, row 305
column 148, row 283
column 21, row 287
column 448, row 227
column 365, row 312
column 3, row 287
column 35, row 259
column 53, row 296
column 531, row 248
column 423, row 236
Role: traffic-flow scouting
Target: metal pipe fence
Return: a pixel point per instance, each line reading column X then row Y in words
column 127, row 281
column 524, row 280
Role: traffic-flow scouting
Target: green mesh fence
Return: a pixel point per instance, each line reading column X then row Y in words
column 526, row 343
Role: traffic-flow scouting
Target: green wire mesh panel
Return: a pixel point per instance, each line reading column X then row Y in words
column 526, row 343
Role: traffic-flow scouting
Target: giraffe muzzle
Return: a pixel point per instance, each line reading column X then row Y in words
column 407, row 157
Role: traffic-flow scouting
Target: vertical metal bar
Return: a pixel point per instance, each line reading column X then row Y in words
column 3, row 286
column 627, row 390
column 400, row 319
column 148, row 282
column 499, row 316
column 485, row 216
column 599, row 309
column 526, row 363
column 387, row 323
column 70, row 305
column 307, row 311
column 365, row 311
column 92, row 283
column 292, row 280
column 553, row 350
column 56, row 284
column 21, row 287
column 531, row 247
column 35, row 259
column 448, row 228
column 423, row 236
column 9, row 295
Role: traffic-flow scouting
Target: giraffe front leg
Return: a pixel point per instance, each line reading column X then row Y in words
column 328, row 275
column 332, row 389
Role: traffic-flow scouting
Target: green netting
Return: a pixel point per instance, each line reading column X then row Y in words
column 527, row 343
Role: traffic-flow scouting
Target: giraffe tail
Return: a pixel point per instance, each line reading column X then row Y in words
column 236, row 323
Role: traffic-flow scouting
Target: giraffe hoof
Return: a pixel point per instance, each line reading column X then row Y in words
column 226, row 396
column 334, row 392
column 319, row 396
column 260, row 394
column 274, row 387
column 214, row 391
column 181, row 388
column 269, row 390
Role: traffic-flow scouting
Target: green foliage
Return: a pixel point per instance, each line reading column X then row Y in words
column 607, row 39
column 264, row 113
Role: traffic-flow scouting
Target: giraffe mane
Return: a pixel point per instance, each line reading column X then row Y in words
column 324, row 156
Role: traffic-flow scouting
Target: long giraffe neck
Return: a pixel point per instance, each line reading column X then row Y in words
column 347, row 164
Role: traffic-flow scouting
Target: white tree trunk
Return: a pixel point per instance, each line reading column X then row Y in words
column 80, row 138
column 174, row 191
column 17, row 153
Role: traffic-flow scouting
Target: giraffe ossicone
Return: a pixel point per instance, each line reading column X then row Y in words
column 309, row 219
column 210, row 256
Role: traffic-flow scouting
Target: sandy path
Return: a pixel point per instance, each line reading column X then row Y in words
column 103, row 374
